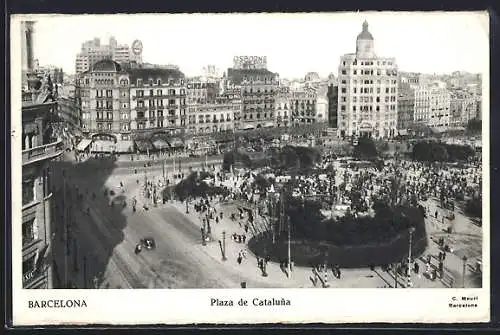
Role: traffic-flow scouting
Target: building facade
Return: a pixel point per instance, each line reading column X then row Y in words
column 463, row 107
column 158, row 100
column 432, row 105
column 333, row 103
column 39, row 148
column 122, row 102
column 282, row 108
column 258, row 91
column 303, row 106
column 201, row 92
column 368, row 91
column 105, row 100
column 406, row 109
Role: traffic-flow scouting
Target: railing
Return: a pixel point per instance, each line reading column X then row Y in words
column 32, row 276
column 172, row 117
column 141, row 118
column 143, row 108
column 42, row 152
column 162, row 96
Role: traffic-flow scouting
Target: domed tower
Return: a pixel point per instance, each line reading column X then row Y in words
column 365, row 44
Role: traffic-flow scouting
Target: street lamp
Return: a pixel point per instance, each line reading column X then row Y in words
column 412, row 230
column 464, row 259
column 224, row 258
column 187, row 206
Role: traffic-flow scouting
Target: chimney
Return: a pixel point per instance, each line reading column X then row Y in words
column 29, row 34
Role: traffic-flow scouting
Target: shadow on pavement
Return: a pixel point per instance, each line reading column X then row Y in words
column 83, row 247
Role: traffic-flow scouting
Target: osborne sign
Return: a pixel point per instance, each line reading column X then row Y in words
column 250, row 62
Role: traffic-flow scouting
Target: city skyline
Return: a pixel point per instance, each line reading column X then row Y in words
column 440, row 44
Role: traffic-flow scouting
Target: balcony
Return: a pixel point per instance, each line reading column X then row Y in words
column 142, row 108
column 172, row 106
column 172, row 117
column 47, row 151
column 141, row 119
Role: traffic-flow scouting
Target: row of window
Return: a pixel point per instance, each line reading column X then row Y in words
column 343, row 108
column 377, row 72
column 365, row 63
column 159, row 103
column 140, row 93
column 365, row 90
column 100, row 93
column 368, row 99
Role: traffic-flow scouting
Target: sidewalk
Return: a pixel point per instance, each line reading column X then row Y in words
column 300, row 276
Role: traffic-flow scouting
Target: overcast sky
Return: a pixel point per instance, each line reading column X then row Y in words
column 293, row 43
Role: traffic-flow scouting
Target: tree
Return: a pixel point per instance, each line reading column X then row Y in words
column 365, row 149
column 474, row 126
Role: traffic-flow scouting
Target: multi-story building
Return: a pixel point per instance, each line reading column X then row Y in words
column 463, row 107
column 283, row 108
column 105, row 99
column 69, row 111
column 158, row 100
column 333, row 103
column 432, row 105
column 93, row 51
column 368, row 91
column 303, row 106
column 120, row 102
column 201, row 92
column 258, row 90
column 406, row 109
column 38, row 149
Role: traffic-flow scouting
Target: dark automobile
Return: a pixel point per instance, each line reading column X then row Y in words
column 148, row 243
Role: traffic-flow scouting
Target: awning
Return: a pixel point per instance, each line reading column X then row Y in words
column 248, row 126
column 83, row 145
column 176, row 142
column 268, row 125
column 403, row 132
column 160, row 144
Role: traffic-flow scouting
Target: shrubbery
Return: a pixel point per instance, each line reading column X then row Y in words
column 365, row 149
column 441, row 152
column 474, row 207
column 348, row 241
column 474, row 126
column 193, row 186
column 288, row 157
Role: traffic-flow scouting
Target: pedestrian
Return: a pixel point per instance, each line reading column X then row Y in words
column 239, row 259
column 244, row 238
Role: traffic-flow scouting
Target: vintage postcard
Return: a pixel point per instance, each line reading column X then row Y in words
column 250, row 168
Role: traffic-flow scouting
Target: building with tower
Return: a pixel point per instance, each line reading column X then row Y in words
column 93, row 51
column 367, row 91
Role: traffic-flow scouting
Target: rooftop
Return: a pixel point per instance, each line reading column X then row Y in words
column 237, row 75
column 154, row 73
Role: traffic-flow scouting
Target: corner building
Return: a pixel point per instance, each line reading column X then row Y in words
column 367, row 96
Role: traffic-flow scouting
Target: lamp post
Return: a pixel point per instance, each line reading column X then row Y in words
column 412, row 230
column 224, row 258
column 187, row 206
column 464, row 259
